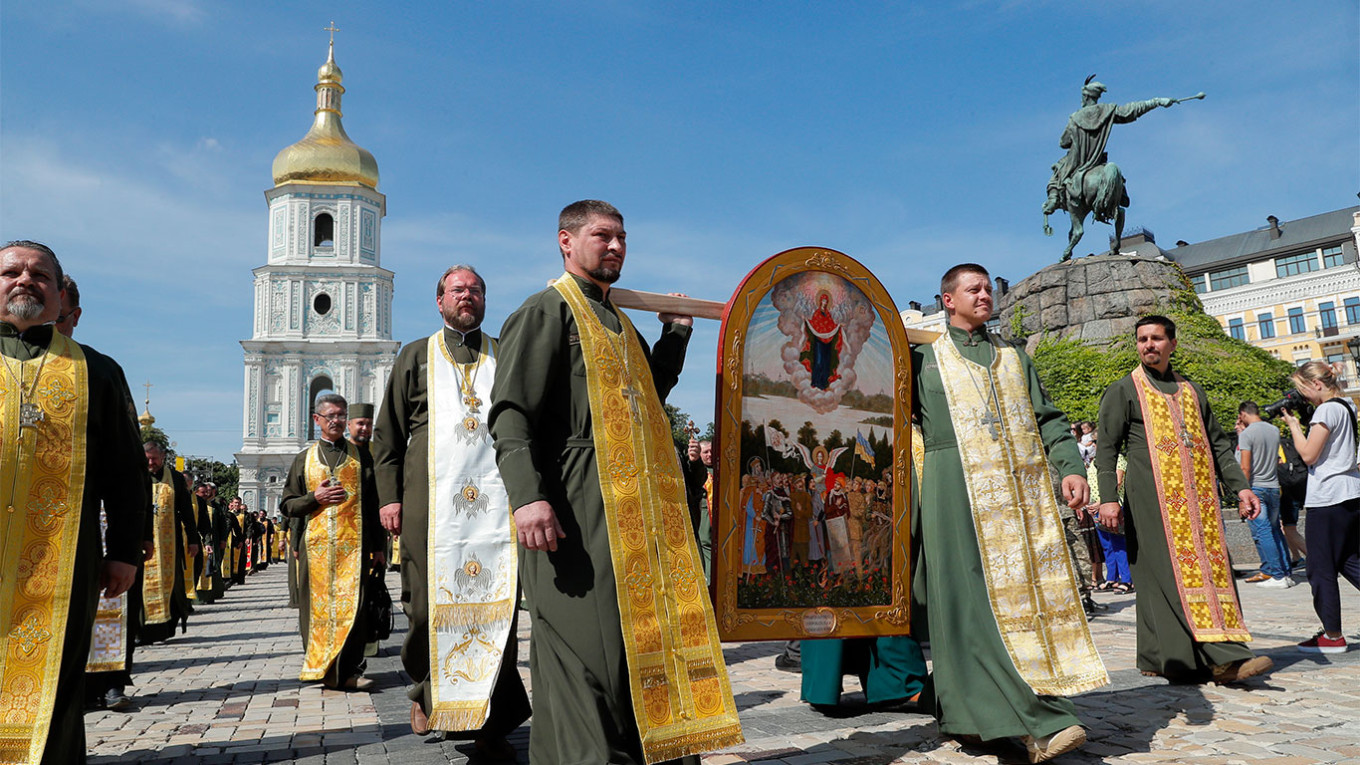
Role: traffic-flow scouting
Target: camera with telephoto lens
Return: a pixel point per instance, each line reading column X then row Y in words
column 1294, row 402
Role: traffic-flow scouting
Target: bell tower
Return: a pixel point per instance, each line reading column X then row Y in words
column 323, row 301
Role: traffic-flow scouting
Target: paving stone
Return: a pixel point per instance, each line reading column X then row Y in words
column 227, row 692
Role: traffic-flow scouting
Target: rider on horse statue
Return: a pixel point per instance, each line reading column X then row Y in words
column 1085, row 181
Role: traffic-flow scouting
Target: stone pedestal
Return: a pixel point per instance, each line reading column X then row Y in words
column 1093, row 299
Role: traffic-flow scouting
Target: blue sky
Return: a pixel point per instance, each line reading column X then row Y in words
column 136, row 138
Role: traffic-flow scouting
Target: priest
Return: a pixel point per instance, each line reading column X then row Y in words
column 1174, row 528
column 440, row 490
column 624, row 660
column 73, row 402
column 175, row 541
column 330, row 486
column 1008, row 641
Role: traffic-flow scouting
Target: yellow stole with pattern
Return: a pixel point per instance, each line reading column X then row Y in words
column 1025, row 561
column 42, row 484
column 190, row 591
column 335, row 553
column 109, row 638
column 682, row 699
column 159, row 572
column 1183, row 468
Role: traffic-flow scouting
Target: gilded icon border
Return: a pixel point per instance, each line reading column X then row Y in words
column 736, row 623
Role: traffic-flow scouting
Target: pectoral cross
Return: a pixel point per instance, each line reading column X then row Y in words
column 471, row 401
column 1186, row 439
column 991, row 421
column 30, row 415
column 632, row 394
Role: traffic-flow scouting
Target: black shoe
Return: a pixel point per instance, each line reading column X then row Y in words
column 1092, row 608
column 785, row 664
column 116, row 700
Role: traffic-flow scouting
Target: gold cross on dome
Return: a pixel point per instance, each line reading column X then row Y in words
column 148, row 387
column 332, row 29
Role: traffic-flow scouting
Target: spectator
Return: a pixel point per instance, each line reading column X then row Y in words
column 1333, row 502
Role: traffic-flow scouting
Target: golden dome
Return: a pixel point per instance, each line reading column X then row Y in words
column 326, row 154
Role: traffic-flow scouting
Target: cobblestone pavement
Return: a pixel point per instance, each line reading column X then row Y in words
column 227, row 692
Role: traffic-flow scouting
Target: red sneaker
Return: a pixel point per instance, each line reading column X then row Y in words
column 1320, row 643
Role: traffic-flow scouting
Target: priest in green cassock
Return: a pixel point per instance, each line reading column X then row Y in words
column 67, row 446
column 439, row 489
column 1190, row 622
column 1008, row 635
column 625, row 661
column 330, row 488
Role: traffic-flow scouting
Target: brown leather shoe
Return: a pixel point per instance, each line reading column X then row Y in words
column 1242, row 669
column 420, row 723
column 494, row 749
column 1259, row 576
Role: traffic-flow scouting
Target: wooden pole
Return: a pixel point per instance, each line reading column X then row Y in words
column 706, row 309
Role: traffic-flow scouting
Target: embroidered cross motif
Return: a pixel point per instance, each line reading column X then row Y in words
column 30, row 634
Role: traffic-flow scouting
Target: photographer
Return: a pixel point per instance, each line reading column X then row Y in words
column 1333, row 502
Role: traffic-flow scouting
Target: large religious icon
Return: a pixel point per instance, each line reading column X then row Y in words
column 811, row 537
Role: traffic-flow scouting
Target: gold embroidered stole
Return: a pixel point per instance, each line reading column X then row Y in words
column 1186, row 483
column 1025, row 561
column 682, row 698
column 190, row 591
column 42, row 484
column 108, row 639
column 334, row 563
column 205, row 579
column 471, row 550
column 159, row 571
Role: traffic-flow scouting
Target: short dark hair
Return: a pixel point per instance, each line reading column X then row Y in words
column 1159, row 320
column 28, row 244
column 439, row 288
column 577, row 214
column 72, row 291
column 1249, row 407
column 950, row 280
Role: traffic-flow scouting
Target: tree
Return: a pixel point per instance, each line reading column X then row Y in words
column 153, row 433
column 227, row 477
column 807, row 435
column 1230, row 370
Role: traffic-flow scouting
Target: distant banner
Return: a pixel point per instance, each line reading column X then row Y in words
column 812, row 528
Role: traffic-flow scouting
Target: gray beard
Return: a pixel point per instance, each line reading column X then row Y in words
column 25, row 307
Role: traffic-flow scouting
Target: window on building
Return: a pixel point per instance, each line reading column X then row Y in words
column 1236, row 330
column 1337, row 358
column 1352, row 310
column 1232, row 277
column 1327, row 315
column 1297, row 323
column 1200, row 283
column 1266, row 323
column 1331, row 257
column 325, row 231
column 1292, row 265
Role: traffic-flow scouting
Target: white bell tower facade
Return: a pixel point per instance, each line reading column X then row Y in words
column 323, row 301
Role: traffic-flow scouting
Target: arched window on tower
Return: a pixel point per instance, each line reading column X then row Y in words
column 324, row 235
column 321, row 385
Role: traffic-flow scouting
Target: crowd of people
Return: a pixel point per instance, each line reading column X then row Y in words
column 537, row 472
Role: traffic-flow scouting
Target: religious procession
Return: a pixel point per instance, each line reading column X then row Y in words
column 905, row 505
